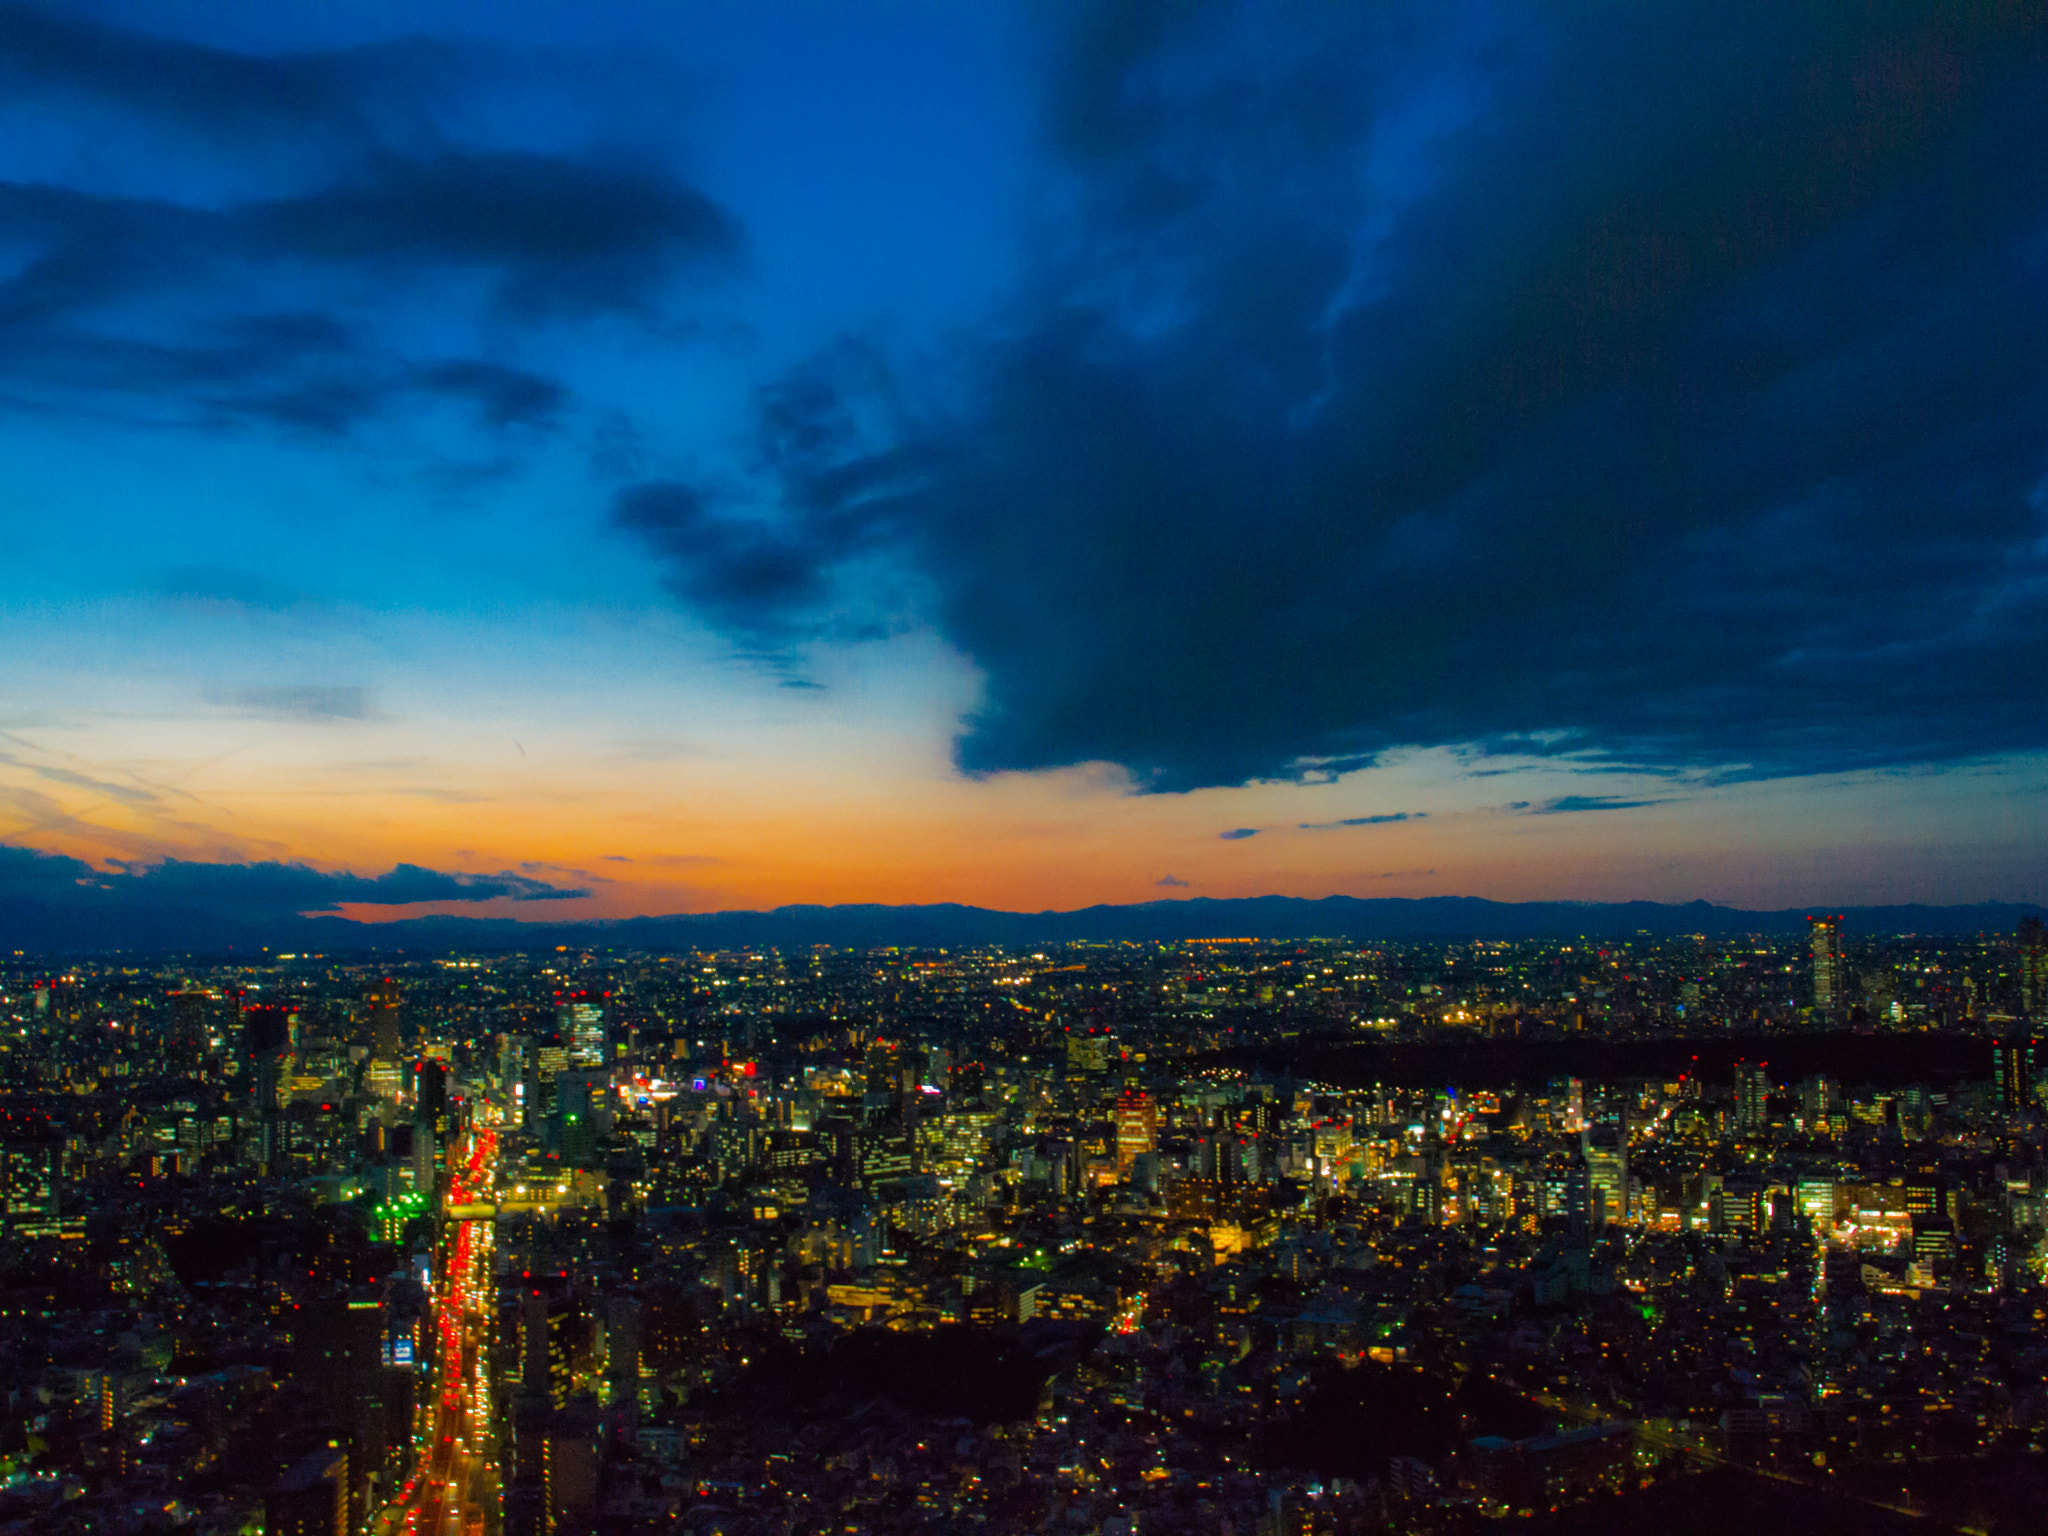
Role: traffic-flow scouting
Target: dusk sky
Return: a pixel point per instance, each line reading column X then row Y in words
column 726, row 454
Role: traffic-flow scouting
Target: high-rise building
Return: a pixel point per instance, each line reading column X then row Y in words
column 2014, row 1062
column 1820, row 1099
column 338, row 1360
column 312, row 1498
column 1568, row 1105
column 266, row 1041
column 569, row 1466
column 2033, row 945
column 1087, row 1055
column 582, row 1115
column 1606, row 1185
column 430, row 1093
column 1824, row 938
column 1137, row 1125
column 544, row 1068
column 384, row 1013
column 29, row 1166
column 196, row 1013
column 882, row 1150
column 580, row 1019
column 1752, row 1095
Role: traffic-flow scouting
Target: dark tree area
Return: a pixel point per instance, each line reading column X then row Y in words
column 986, row 1375
column 1352, row 1420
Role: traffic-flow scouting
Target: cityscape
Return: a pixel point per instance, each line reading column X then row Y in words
column 979, row 767
column 1115, row 1238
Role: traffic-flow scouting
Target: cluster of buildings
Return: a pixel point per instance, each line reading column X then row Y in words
column 538, row 1245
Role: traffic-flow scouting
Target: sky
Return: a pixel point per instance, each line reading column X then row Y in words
column 580, row 461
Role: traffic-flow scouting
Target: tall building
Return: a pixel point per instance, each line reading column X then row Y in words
column 2014, row 1062
column 549, row 1329
column 1820, row 1099
column 582, row 1115
column 266, row 1041
column 1137, row 1125
column 546, row 1066
column 311, row 1499
column 430, row 1095
column 580, row 1018
column 1087, row 1055
column 195, row 1013
column 383, row 1007
column 2033, row 944
column 338, row 1360
column 882, row 1150
column 1824, row 937
column 569, row 1467
column 1568, row 1106
column 29, row 1167
column 1752, row 1096
column 1606, row 1185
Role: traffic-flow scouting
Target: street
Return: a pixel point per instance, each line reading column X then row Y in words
column 455, row 1482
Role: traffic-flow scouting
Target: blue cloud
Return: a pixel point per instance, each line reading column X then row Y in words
column 1565, row 804
column 58, row 901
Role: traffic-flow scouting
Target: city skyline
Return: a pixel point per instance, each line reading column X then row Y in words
column 580, row 466
column 1388, row 1237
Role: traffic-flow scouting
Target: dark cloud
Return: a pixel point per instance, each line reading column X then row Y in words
column 1570, row 803
column 504, row 397
column 745, row 576
column 1238, row 834
column 562, row 234
column 304, row 702
column 142, row 306
column 816, row 567
column 1169, row 880
column 343, row 93
column 1380, row 820
column 56, row 901
column 1663, row 387
column 296, row 888
column 547, row 236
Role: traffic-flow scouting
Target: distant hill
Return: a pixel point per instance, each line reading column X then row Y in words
column 951, row 926
column 47, row 907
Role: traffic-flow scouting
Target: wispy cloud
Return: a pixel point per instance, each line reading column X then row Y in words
column 302, row 702
column 1384, row 818
column 127, row 794
column 226, row 587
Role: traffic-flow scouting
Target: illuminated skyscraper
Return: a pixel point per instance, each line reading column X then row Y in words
column 1819, row 1099
column 2013, row 1065
column 1137, row 1125
column 1606, row 1185
column 1824, row 936
column 580, row 1018
column 2033, row 944
column 1752, row 1096
column 382, row 1008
